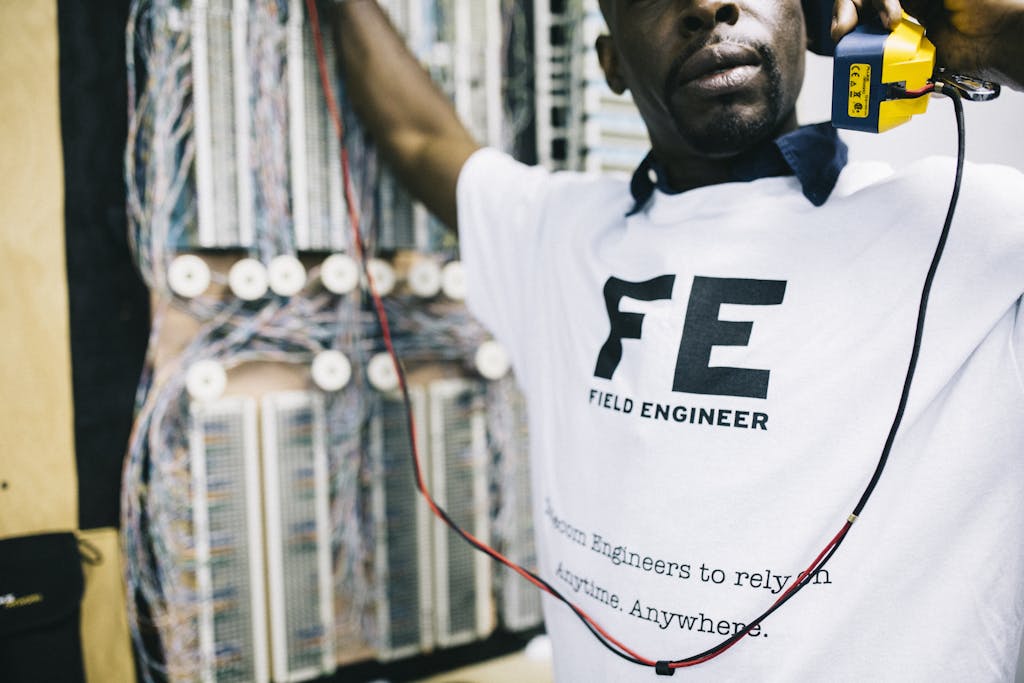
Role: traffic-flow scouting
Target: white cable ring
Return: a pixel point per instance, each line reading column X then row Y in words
column 383, row 276
column 424, row 279
column 248, row 279
column 339, row 274
column 492, row 361
column 287, row 275
column 381, row 373
column 453, row 281
column 188, row 276
column 206, row 380
column 331, row 370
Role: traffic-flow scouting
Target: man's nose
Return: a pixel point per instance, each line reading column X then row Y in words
column 703, row 15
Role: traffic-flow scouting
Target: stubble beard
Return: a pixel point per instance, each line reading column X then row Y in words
column 733, row 133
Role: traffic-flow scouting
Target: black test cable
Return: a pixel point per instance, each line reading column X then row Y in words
column 662, row 667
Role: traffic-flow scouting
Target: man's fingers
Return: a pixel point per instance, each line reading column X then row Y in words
column 890, row 12
column 846, row 14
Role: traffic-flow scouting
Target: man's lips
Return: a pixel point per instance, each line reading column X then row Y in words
column 718, row 68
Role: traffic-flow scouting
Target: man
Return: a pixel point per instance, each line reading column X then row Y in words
column 713, row 353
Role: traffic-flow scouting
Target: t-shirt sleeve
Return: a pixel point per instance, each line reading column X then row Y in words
column 500, row 212
column 1018, row 343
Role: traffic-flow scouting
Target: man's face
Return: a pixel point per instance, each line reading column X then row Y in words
column 709, row 77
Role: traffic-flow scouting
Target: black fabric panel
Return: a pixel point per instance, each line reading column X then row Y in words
column 43, row 654
column 109, row 307
column 41, row 586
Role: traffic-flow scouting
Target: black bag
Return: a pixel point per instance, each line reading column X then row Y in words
column 41, row 586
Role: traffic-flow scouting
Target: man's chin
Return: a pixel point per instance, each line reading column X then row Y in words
column 725, row 136
column 728, row 126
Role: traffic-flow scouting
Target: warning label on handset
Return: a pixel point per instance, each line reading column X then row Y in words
column 860, row 91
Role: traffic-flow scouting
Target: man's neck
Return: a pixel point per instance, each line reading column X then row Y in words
column 687, row 173
column 687, row 169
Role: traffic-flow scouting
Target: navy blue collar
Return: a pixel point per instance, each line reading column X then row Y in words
column 814, row 154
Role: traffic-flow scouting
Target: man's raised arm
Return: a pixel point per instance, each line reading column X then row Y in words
column 411, row 120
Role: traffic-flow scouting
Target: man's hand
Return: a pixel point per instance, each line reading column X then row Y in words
column 982, row 38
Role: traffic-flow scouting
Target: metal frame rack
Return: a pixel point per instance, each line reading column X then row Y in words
column 296, row 505
column 464, row 610
column 227, row 526
column 402, row 529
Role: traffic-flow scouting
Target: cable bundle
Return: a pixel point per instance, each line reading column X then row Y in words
column 216, row 196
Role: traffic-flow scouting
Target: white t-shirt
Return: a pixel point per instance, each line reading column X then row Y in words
column 710, row 385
